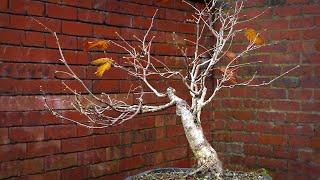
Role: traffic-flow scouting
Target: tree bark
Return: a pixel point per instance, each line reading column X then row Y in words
column 207, row 158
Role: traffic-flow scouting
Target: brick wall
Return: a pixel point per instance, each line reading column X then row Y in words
column 33, row 143
column 276, row 127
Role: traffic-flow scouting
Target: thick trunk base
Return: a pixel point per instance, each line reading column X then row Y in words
column 208, row 166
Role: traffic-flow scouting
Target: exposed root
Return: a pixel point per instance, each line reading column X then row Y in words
column 208, row 167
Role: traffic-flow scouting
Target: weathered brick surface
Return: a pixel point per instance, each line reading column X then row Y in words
column 277, row 124
column 36, row 145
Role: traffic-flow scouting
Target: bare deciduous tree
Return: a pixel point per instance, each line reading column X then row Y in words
column 214, row 18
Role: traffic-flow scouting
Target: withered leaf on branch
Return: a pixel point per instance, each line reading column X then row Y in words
column 105, row 65
column 253, row 36
column 230, row 72
column 99, row 44
column 231, row 55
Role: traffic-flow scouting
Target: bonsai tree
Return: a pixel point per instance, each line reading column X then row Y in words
column 215, row 61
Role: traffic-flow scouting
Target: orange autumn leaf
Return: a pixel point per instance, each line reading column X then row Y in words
column 253, row 36
column 231, row 55
column 229, row 72
column 100, row 44
column 105, row 65
column 317, row 46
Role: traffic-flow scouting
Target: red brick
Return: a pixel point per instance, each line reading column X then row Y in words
column 4, row 136
column 297, row 1
column 4, row 5
column 315, row 143
column 66, row 42
column 287, row 11
column 141, row 22
column 92, row 156
column 106, row 140
column 91, row 16
column 242, row 92
column 257, row 150
column 300, row 94
column 76, row 28
column 100, row 86
column 293, row 129
column 52, row 175
column 76, row 144
column 10, row 169
column 19, row 6
column 285, row 105
column 43, row 148
column 278, row 24
column 235, row 125
column 4, row 20
column 232, row 103
column 177, row 153
column 306, row 169
column 144, row 135
column 175, row 130
column 60, row 131
column 101, row 169
column 301, row 22
column 259, row 127
column 105, row 31
column 131, row 8
column 186, row 28
column 175, row 15
column 9, row 119
column 12, row 70
column 272, row 139
column 33, row 166
column 299, row 141
column 165, row 25
column 36, row 8
column 60, row 161
column 85, row 4
column 63, row 12
column 142, row 123
column 13, row 152
column 26, row 134
column 287, row 35
column 119, row 20
column 126, row 164
column 311, row 34
column 311, row 9
column 310, row 106
column 12, row 36
column 27, row 7
column 74, row 173
column 273, row 163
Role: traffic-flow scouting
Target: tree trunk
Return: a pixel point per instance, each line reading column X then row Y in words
column 207, row 158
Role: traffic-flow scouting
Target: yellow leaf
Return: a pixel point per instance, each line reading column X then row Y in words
column 253, row 36
column 103, row 68
column 100, row 44
column 101, row 61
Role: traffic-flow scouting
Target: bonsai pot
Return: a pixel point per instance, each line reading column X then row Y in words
column 164, row 173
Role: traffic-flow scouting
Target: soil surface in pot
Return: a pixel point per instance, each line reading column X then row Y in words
column 182, row 175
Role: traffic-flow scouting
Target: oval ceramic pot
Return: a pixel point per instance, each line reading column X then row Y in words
column 171, row 170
